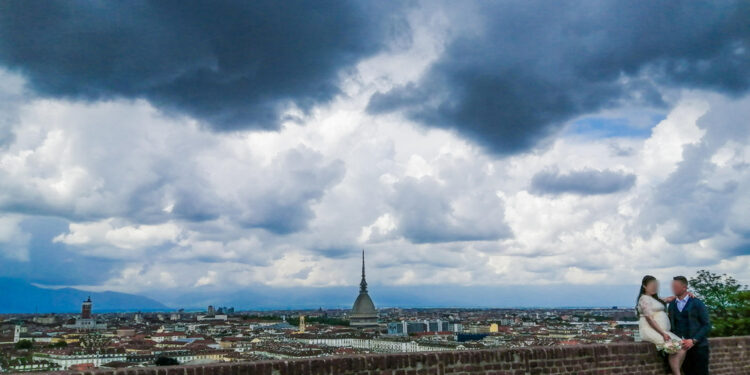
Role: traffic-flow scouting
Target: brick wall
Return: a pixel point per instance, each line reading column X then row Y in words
column 729, row 356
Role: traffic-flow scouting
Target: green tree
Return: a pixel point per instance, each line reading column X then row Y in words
column 319, row 320
column 727, row 300
column 166, row 361
column 24, row 344
column 736, row 318
column 59, row 344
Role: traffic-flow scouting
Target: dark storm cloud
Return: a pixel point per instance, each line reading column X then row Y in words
column 583, row 182
column 535, row 64
column 232, row 63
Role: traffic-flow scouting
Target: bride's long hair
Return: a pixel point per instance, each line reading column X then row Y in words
column 646, row 279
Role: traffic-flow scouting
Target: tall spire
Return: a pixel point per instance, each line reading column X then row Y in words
column 363, row 283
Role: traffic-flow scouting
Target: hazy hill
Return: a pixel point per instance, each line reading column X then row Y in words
column 19, row 296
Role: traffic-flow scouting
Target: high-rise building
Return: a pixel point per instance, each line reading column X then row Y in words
column 363, row 312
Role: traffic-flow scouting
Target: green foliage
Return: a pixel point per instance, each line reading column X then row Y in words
column 727, row 300
column 736, row 320
column 59, row 344
column 319, row 320
column 717, row 291
column 24, row 344
column 166, row 361
column 94, row 340
column 262, row 317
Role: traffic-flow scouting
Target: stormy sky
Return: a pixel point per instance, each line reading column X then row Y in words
column 167, row 147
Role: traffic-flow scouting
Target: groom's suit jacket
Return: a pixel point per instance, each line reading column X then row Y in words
column 698, row 323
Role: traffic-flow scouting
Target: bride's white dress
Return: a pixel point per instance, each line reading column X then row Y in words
column 649, row 306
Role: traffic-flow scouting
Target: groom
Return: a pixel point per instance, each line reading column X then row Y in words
column 689, row 319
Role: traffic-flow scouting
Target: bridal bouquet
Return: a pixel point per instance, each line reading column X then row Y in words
column 671, row 347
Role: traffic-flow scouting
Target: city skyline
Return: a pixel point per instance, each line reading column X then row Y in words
column 531, row 152
column 24, row 298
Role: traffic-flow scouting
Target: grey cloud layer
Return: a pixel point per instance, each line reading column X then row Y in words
column 233, row 63
column 466, row 211
column 583, row 182
column 533, row 65
column 707, row 197
column 149, row 200
column 150, row 170
column 507, row 83
column 429, row 212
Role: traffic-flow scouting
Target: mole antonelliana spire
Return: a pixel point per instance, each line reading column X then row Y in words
column 363, row 283
column 363, row 312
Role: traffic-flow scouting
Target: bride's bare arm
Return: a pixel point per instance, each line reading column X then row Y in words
column 672, row 298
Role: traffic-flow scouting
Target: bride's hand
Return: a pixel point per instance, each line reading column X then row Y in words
column 666, row 337
column 691, row 294
column 669, row 299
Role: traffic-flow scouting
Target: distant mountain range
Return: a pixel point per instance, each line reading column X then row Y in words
column 19, row 296
column 475, row 296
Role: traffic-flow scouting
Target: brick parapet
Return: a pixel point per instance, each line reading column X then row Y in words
column 729, row 356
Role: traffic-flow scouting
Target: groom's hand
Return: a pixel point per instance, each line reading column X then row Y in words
column 687, row 344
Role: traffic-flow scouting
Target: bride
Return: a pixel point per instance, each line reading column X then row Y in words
column 653, row 320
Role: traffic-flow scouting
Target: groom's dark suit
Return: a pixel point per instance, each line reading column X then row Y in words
column 692, row 323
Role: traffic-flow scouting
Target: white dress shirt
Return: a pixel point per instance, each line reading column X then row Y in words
column 682, row 302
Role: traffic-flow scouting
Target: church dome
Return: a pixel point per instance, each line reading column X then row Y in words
column 363, row 306
column 363, row 313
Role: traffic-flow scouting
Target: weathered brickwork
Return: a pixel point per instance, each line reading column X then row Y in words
column 729, row 356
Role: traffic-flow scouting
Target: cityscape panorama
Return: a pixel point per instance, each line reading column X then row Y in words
column 358, row 187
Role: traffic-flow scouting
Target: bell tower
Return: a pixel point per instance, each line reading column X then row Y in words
column 86, row 309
